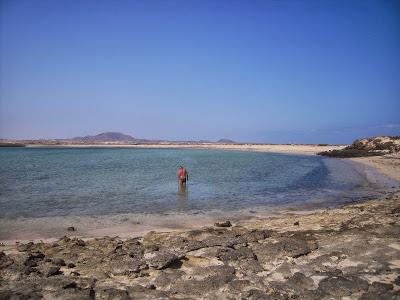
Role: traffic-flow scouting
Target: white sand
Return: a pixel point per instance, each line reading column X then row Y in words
column 291, row 148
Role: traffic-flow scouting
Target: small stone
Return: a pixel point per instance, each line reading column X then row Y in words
column 65, row 239
column 37, row 255
column 151, row 287
column 80, row 242
column 28, row 270
column 229, row 254
column 380, row 287
column 59, row 262
column 163, row 260
column 223, row 224
column 71, row 228
column 70, row 285
column 30, row 263
column 24, row 247
column 152, row 248
column 111, row 293
column 297, row 223
column 340, row 286
column 119, row 268
column 138, row 266
column 300, row 281
column 33, row 259
column 71, row 265
column 396, row 210
column 75, row 273
column 53, row 271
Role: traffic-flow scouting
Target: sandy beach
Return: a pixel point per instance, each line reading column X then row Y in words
column 352, row 252
column 388, row 164
column 309, row 149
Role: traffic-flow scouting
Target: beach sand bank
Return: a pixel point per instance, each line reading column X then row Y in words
column 351, row 252
column 309, row 149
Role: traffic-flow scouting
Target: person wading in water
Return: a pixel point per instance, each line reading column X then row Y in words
column 182, row 176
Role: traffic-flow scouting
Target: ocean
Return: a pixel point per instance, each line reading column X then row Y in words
column 56, row 182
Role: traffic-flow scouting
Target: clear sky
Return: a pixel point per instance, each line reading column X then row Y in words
column 261, row 71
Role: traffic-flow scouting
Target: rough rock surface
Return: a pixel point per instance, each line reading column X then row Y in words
column 346, row 253
column 223, row 224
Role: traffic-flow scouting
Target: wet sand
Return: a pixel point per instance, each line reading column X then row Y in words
column 388, row 164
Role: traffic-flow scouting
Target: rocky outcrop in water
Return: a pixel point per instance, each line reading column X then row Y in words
column 351, row 252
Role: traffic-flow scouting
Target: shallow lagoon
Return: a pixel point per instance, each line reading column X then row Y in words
column 46, row 182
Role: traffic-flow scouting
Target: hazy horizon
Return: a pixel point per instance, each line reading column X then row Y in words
column 199, row 139
column 258, row 71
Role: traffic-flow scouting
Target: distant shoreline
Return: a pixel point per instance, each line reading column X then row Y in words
column 310, row 149
column 11, row 145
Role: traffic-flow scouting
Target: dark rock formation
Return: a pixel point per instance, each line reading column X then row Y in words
column 223, row 224
column 339, row 286
column 163, row 259
column 59, row 262
column 367, row 147
column 53, row 270
column 5, row 260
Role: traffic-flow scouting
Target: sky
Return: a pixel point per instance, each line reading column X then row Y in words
column 253, row 71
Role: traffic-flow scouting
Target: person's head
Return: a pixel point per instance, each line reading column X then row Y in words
column 180, row 167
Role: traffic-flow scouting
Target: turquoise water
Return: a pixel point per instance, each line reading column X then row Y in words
column 46, row 182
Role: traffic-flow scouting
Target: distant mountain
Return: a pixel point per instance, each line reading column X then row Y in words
column 113, row 138
column 106, row 137
column 203, row 141
column 225, row 141
column 118, row 137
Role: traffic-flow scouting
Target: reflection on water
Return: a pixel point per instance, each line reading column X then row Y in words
column 182, row 195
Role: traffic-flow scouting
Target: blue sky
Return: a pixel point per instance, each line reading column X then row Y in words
column 260, row 71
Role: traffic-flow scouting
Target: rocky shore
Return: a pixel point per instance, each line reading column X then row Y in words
column 351, row 252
